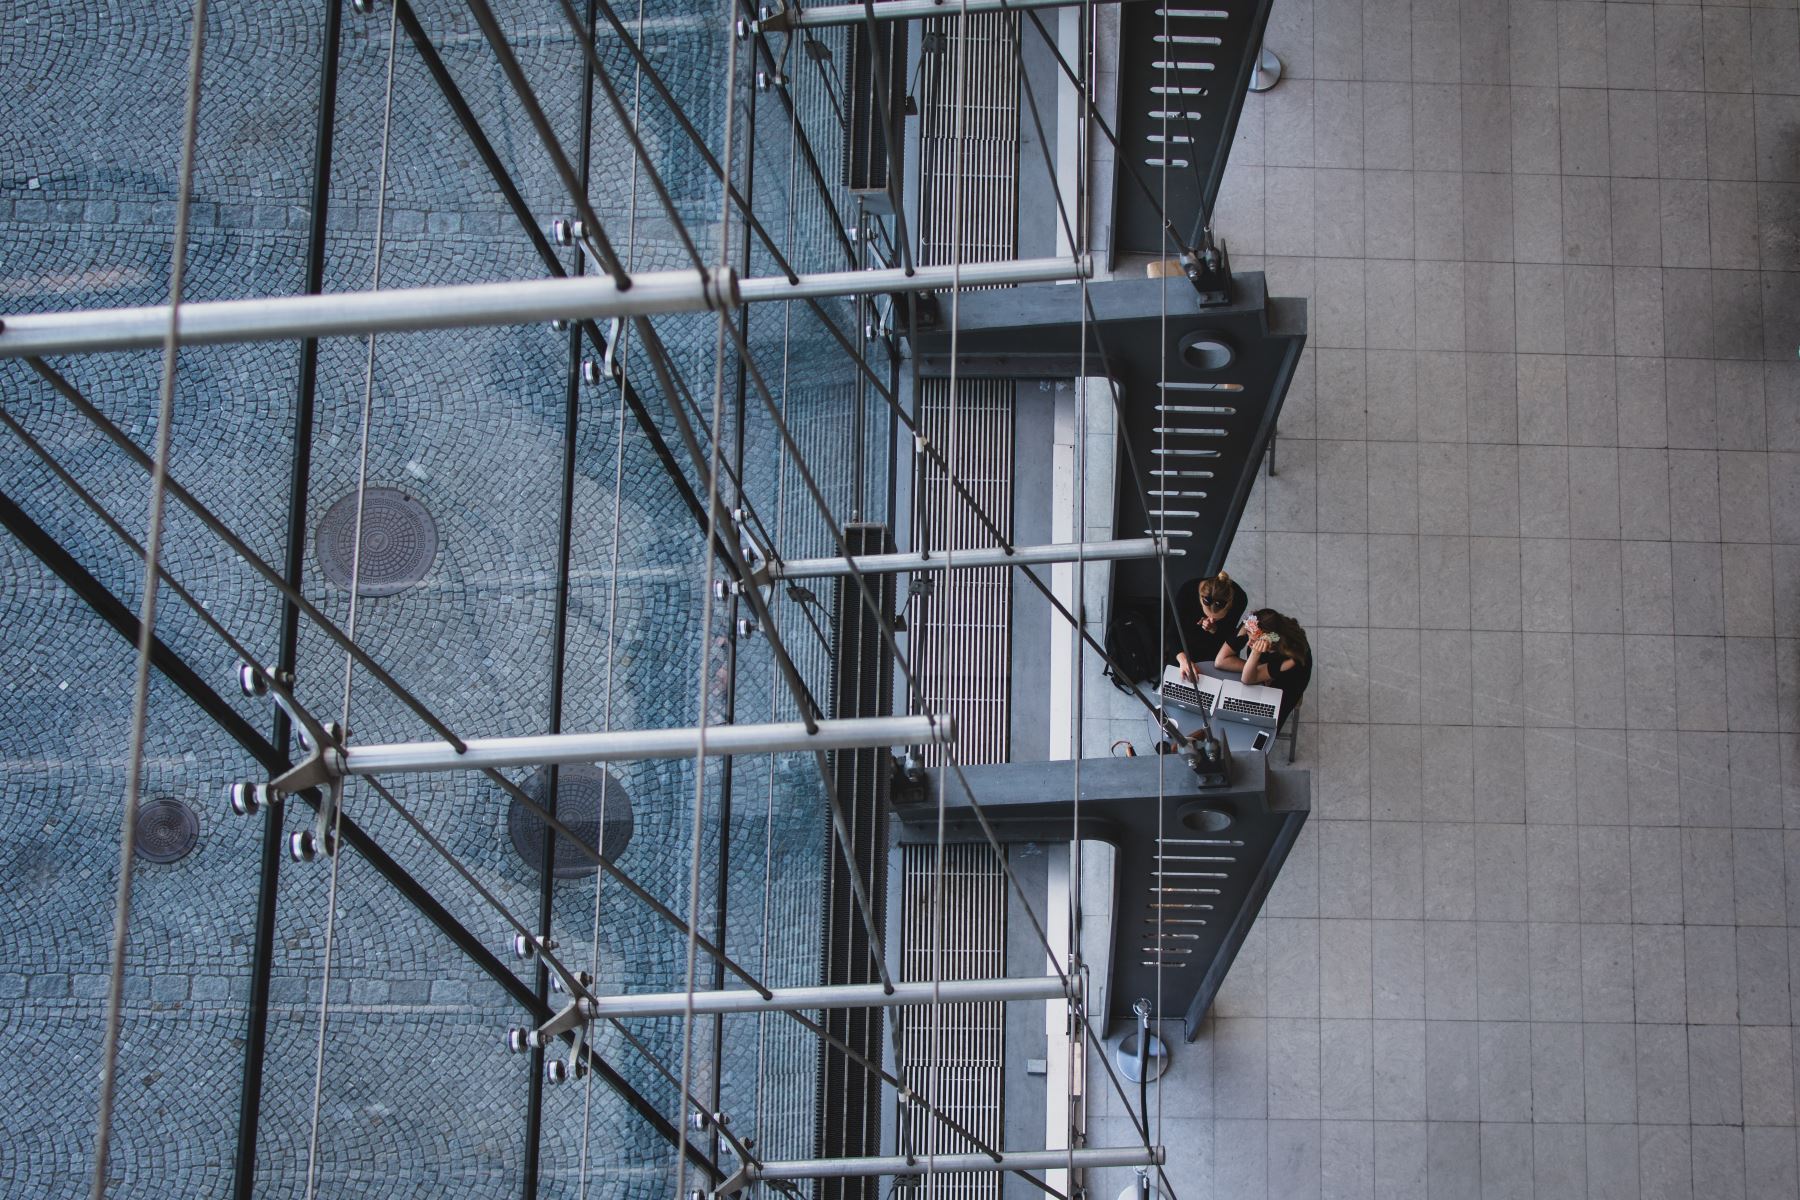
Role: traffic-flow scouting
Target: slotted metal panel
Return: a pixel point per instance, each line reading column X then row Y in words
column 963, row 629
column 969, row 134
column 867, row 111
column 951, row 1051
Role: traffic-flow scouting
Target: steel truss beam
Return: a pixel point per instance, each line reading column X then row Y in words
column 800, row 999
column 795, row 17
column 630, row 744
column 986, row 556
column 459, row 306
column 176, row 669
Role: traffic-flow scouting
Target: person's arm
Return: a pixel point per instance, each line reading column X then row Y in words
column 1255, row 671
column 1226, row 659
column 1188, row 670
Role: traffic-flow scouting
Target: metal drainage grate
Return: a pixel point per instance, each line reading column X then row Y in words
column 579, row 789
column 399, row 542
column 167, row 831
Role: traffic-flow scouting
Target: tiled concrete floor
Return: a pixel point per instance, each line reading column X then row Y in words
column 1539, row 506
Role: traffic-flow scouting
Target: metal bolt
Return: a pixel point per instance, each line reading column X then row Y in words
column 562, row 232
column 743, row 28
column 746, row 628
column 590, row 372
column 560, row 325
column 251, row 680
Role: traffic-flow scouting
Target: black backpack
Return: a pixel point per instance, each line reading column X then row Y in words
column 1131, row 638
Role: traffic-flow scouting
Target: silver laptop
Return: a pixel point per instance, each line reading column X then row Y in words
column 1199, row 696
column 1223, row 699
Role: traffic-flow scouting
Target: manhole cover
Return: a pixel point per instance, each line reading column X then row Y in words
column 167, row 831
column 399, row 542
column 577, row 806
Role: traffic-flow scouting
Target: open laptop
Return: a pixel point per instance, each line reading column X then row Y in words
column 1223, row 699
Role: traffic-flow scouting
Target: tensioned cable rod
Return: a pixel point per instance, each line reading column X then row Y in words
column 243, row 652
column 1091, row 319
column 170, row 338
column 94, row 506
column 593, row 231
column 795, row 17
column 515, row 200
column 334, row 830
column 238, row 648
column 983, row 556
column 650, row 74
column 721, row 530
column 883, row 625
column 544, row 954
column 798, row 139
column 237, row 545
column 888, row 635
column 832, row 328
column 109, row 609
column 513, row 790
column 457, row 306
column 799, row 1016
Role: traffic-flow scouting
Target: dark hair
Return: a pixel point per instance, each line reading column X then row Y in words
column 1292, row 639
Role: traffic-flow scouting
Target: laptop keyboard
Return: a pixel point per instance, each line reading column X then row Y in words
column 1192, row 697
column 1249, row 708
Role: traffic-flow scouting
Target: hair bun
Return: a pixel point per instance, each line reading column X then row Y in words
column 1222, row 577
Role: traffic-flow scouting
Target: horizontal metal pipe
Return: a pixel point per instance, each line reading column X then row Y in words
column 1009, row 1160
column 987, row 556
column 400, row 310
column 799, row 999
column 630, row 744
column 388, row 310
column 794, row 17
column 922, row 279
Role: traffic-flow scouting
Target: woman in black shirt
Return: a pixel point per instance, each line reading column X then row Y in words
column 1275, row 654
column 1207, row 612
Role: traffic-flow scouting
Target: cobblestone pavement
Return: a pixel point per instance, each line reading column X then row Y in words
column 418, row 1095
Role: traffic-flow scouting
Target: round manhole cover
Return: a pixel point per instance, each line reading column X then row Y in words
column 167, row 831
column 577, row 806
column 399, row 542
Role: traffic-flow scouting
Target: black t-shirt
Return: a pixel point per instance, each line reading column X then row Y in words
column 1202, row 646
column 1291, row 682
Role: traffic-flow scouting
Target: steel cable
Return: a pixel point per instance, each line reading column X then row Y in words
column 140, row 695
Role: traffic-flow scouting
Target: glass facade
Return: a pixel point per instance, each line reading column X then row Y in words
column 471, row 448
